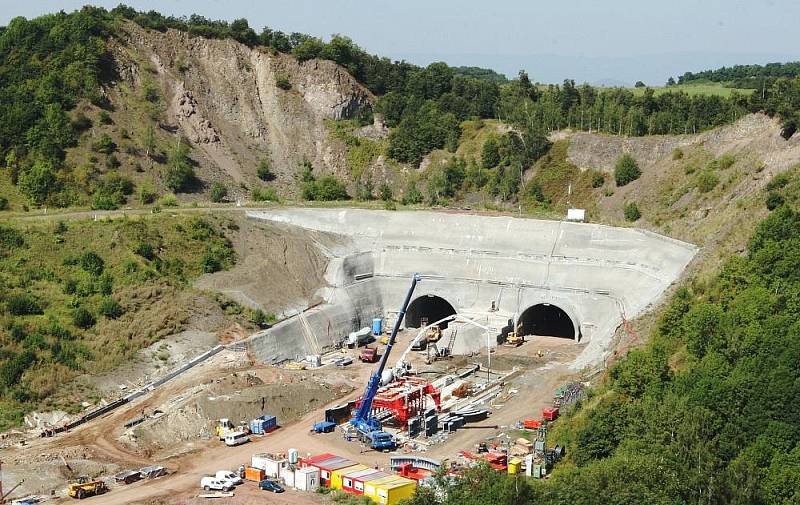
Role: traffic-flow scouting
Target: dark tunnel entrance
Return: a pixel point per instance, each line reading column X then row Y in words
column 546, row 320
column 426, row 310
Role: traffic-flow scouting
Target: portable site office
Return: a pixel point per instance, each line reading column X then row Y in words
column 359, row 480
column 337, row 476
column 328, row 466
column 311, row 460
column 390, row 490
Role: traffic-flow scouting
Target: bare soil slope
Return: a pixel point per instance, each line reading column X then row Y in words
column 707, row 189
column 278, row 268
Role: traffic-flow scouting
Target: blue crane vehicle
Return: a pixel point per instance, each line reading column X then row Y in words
column 364, row 422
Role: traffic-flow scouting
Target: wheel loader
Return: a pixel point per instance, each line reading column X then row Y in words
column 85, row 488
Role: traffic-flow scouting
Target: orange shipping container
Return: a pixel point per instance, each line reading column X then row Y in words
column 254, row 474
column 531, row 424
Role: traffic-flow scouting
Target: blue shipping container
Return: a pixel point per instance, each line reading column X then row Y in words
column 263, row 424
column 377, row 326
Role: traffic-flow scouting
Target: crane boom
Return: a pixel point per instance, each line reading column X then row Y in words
column 363, row 421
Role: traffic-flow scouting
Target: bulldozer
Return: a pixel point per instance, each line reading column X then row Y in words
column 85, row 488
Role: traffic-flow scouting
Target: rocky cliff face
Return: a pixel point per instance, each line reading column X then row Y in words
column 226, row 99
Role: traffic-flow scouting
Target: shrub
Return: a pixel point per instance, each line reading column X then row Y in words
column 70, row 287
column 326, row 189
column 112, row 162
column 82, row 318
column 774, row 200
column 264, row 194
column 598, row 179
column 218, row 192
column 169, row 200
column 631, row 212
column 147, row 195
column 385, row 192
column 726, row 161
column 626, row 170
column 10, row 238
column 23, row 304
column 412, row 195
column 104, row 145
column 178, row 177
column 261, row 318
column 283, row 82
column 264, row 170
column 81, row 122
column 179, row 174
column 92, row 263
column 534, row 191
column 103, row 201
column 145, row 250
column 490, row 154
column 3, row 203
column 778, row 181
column 104, row 118
column 677, row 154
column 110, row 308
column 706, row 181
column 210, row 263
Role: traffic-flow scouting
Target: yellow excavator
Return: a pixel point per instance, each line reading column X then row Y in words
column 514, row 339
column 85, row 488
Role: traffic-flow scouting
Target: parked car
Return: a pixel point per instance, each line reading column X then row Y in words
column 215, row 484
column 270, row 485
column 227, row 475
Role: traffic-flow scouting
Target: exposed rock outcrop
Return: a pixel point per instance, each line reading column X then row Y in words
column 226, row 99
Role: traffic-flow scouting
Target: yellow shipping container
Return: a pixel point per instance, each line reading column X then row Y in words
column 336, row 475
column 514, row 466
column 390, row 490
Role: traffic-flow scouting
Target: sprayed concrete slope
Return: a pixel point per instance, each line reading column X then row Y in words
column 491, row 269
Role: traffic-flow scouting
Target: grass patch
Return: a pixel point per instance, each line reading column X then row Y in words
column 82, row 297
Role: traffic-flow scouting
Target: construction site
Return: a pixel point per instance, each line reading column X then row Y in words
column 437, row 341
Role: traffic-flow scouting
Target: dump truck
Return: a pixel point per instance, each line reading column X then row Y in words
column 85, row 488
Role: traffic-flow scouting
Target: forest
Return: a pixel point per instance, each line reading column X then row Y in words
column 745, row 76
column 49, row 63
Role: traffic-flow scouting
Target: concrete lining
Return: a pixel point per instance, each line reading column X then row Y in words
column 597, row 274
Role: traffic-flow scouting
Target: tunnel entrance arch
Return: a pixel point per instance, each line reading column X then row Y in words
column 428, row 309
column 548, row 320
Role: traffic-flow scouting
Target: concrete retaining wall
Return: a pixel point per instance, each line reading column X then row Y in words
column 594, row 273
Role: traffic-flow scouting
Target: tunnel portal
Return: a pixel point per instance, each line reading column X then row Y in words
column 428, row 309
column 545, row 319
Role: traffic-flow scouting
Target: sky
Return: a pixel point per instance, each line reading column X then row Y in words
column 596, row 41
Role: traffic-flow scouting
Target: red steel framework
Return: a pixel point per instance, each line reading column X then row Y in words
column 405, row 398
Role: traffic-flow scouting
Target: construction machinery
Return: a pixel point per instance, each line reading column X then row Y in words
column 224, row 428
column 432, row 335
column 364, row 422
column 85, row 488
column 369, row 355
column 514, row 339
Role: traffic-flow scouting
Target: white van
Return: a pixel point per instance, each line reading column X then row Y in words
column 236, row 438
column 214, row 484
